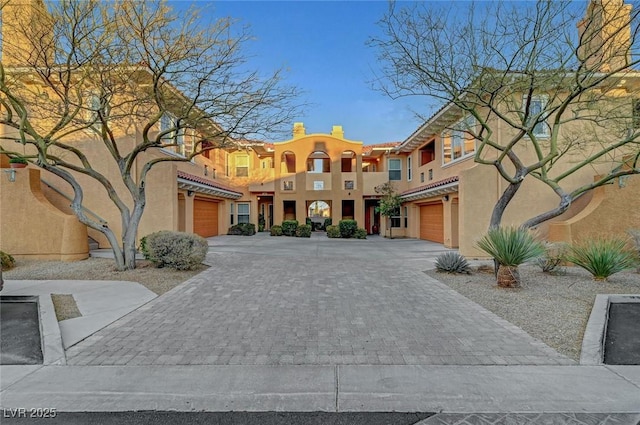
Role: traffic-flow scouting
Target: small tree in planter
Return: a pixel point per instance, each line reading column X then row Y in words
column 390, row 203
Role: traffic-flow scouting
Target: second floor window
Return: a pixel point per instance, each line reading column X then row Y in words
column 242, row 165
column 536, row 109
column 395, row 169
column 458, row 142
column 409, row 170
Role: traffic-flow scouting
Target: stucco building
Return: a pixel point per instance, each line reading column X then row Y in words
column 447, row 197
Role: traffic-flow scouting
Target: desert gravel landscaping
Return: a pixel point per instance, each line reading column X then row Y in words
column 154, row 279
column 554, row 308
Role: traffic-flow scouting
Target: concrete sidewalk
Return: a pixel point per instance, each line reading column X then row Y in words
column 460, row 389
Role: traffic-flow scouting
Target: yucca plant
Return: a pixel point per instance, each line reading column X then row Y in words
column 510, row 247
column 602, row 256
column 452, row 262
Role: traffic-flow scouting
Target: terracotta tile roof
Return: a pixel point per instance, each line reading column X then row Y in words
column 206, row 182
column 430, row 186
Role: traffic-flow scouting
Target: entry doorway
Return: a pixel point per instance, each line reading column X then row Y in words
column 371, row 217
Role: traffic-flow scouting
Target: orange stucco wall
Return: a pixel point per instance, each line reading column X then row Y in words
column 30, row 226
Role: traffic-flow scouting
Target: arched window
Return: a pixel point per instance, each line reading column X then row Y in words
column 319, row 209
column 288, row 162
column 318, row 162
column 348, row 161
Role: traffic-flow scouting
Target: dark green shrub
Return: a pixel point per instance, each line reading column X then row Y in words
column 178, row 250
column 303, row 231
column 7, row 261
column 452, row 262
column 17, row 160
column 308, row 221
column 333, row 231
column 327, row 223
column 276, row 230
column 244, row 229
column 235, row 230
column 289, row 227
column 248, row 229
column 360, row 233
column 143, row 247
column 261, row 223
column 347, row 228
column 603, row 256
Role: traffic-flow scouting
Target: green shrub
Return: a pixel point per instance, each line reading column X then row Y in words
column 289, row 227
column 17, row 160
column 327, row 223
column 347, row 228
column 7, row 261
column 303, row 231
column 360, row 233
column 554, row 256
column 235, row 230
column 276, row 230
column 333, row 231
column 510, row 247
column 178, row 250
column 452, row 262
column 602, row 256
column 261, row 223
column 143, row 247
column 244, row 229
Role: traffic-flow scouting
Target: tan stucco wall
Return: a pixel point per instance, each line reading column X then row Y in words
column 31, row 227
column 613, row 210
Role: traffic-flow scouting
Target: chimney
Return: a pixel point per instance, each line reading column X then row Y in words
column 337, row 132
column 298, row 130
column 605, row 35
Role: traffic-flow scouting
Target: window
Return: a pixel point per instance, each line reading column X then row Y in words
column 536, row 112
column 396, row 219
column 318, row 185
column 287, row 185
column 243, row 213
column 395, row 169
column 231, row 213
column 430, row 174
column 288, row 163
column 421, row 177
column 93, row 105
column 458, row 142
column 409, row 170
column 242, row 165
column 318, row 162
column 406, row 217
column 172, row 134
column 636, row 113
column 348, row 184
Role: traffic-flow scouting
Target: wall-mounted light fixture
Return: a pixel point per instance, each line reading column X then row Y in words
column 11, row 174
column 189, row 193
column 445, row 198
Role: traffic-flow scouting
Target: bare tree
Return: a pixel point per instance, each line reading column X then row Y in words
column 548, row 100
column 133, row 77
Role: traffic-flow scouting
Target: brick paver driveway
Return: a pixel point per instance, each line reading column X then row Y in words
column 280, row 301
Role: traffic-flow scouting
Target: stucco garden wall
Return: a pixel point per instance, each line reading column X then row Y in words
column 614, row 209
column 31, row 227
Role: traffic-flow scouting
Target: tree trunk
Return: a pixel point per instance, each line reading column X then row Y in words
column 508, row 277
column 503, row 202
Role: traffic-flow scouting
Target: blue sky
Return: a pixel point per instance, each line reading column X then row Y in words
column 322, row 44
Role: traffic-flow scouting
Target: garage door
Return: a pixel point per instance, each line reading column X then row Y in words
column 205, row 217
column 432, row 222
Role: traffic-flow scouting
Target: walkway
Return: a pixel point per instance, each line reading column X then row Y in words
column 289, row 301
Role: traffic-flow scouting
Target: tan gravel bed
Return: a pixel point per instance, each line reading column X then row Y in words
column 554, row 308
column 157, row 280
